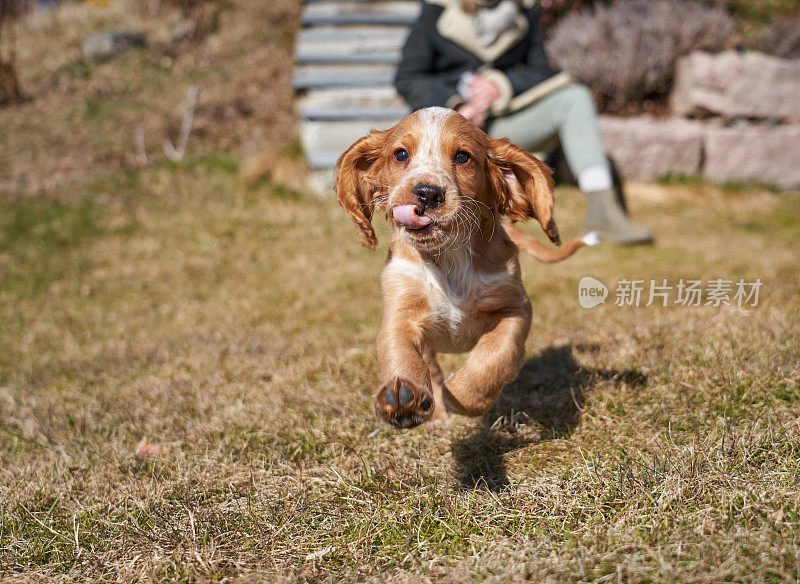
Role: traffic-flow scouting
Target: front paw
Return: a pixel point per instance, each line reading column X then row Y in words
column 403, row 404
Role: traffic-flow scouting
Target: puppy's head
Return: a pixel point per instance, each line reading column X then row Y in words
column 442, row 181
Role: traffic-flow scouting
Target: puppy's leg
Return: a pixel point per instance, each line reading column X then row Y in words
column 405, row 399
column 437, row 384
column 494, row 362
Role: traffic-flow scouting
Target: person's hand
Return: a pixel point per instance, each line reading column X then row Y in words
column 483, row 93
column 473, row 114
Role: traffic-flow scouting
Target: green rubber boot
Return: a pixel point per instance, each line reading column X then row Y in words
column 607, row 218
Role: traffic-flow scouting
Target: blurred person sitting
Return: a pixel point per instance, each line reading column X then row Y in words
column 486, row 60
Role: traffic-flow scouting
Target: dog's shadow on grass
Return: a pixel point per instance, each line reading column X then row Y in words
column 548, row 392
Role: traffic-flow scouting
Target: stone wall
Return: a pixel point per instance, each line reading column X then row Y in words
column 735, row 118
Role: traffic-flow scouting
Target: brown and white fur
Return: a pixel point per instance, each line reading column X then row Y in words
column 452, row 284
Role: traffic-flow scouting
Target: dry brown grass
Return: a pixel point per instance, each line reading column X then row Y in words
column 232, row 325
column 627, row 52
column 84, row 116
column 236, row 327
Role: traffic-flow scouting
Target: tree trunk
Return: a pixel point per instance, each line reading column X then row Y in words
column 10, row 93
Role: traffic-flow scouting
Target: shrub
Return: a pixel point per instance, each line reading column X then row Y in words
column 780, row 38
column 555, row 10
column 10, row 92
column 756, row 11
column 626, row 52
column 200, row 17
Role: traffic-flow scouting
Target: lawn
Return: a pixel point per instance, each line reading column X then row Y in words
column 232, row 325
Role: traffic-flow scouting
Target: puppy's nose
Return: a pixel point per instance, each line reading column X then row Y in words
column 429, row 196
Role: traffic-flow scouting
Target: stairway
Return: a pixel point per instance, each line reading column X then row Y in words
column 345, row 60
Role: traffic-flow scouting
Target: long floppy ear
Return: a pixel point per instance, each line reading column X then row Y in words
column 356, row 183
column 524, row 186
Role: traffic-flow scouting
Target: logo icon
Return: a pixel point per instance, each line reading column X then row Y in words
column 591, row 292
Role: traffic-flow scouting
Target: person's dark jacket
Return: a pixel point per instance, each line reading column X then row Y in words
column 442, row 45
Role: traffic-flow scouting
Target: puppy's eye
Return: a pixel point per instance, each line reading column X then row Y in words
column 461, row 157
column 401, row 155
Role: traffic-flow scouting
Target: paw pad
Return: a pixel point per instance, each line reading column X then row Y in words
column 403, row 404
column 405, row 394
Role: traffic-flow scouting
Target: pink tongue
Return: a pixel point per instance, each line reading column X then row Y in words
column 407, row 215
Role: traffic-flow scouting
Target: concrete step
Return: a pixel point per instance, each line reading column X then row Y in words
column 323, row 160
column 321, row 182
column 352, row 104
column 353, row 44
column 343, row 13
column 391, row 35
column 374, row 113
column 347, row 1
column 324, row 141
column 316, row 76
column 347, row 55
column 344, row 1
column 346, row 60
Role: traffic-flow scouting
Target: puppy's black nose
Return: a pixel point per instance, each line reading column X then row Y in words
column 429, row 196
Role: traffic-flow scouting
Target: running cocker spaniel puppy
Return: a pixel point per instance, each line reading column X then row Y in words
column 452, row 279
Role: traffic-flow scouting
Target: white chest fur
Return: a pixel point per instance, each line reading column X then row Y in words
column 454, row 293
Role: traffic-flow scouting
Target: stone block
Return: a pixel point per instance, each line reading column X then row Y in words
column 646, row 148
column 731, row 85
column 754, row 153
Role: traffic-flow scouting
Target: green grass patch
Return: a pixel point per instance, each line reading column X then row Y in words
column 48, row 223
